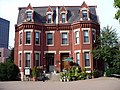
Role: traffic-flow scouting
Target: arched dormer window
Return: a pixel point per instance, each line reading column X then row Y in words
column 63, row 13
column 29, row 13
column 49, row 15
column 84, row 12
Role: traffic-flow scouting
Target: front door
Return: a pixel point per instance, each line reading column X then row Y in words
column 50, row 62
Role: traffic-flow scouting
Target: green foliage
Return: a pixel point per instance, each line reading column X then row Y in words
column 34, row 72
column 108, row 49
column 8, row 71
column 117, row 6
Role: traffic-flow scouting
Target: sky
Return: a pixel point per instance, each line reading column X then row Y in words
column 105, row 11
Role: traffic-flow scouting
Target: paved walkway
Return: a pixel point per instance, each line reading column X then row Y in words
column 102, row 83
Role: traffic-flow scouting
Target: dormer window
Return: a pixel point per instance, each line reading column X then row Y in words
column 49, row 18
column 84, row 15
column 63, row 17
column 29, row 15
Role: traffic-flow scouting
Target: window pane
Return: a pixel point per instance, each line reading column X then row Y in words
column 37, row 37
column 37, row 59
column 49, row 38
column 78, row 58
column 87, row 59
column 20, row 60
column 77, row 37
column 63, row 17
column 64, row 38
column 86, row 36
column 28, row 37
column 27, row 60
column 29, row 15
column 49, row 18
column 84, row 14
column 20, row 38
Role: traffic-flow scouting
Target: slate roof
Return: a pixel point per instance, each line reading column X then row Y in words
column 73, row 14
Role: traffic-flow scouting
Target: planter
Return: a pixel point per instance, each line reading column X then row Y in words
column 34, row 78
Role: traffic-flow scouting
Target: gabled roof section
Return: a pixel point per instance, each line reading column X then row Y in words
column 29, row 7
column 63, row 9
column 49, row 9
column 84, row 5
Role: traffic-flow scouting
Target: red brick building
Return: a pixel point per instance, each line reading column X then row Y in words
column 45, row 36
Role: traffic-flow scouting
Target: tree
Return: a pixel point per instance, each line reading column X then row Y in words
column 8, row 71
column 117, row 6
column 108, row 49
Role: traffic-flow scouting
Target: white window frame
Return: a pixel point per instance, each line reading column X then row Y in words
column 82, row 9
column 28, row 30
column 29, row 10
column 67, row 38
column 88, row 51
column 77, row 51
column 37, row 31
column 77, row 30
column 39, row 57
column 86, row 29
column 51, row 17
column 52, row 38
column 25, row 58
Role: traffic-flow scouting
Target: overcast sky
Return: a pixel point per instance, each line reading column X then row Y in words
column 105, row 11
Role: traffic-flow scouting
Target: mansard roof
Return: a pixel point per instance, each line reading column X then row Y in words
column 73, row 14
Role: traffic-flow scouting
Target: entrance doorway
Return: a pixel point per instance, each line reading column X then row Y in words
column 49, row 62
column 63, row 56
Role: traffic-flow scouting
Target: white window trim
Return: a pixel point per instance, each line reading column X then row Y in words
column 28, row 11
column 75, row 36
column 39, row 37
column 87, row 13
column 77, row 51
column 65, row 52
column 53, row 37
column 89, row 58
column 65, row 16
column 67, row 37
column 88, row 35
column 39, row 56
column 49, row 52
column 28, row 30
column 30, row 57
column 51, row 16
column 62, row 31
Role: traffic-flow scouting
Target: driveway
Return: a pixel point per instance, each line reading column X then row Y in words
column 103, row 83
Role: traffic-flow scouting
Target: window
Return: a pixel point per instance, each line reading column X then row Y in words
column 27, row 64
column 49, row 38
column 63, row 17
column 28, row 37
column 49, row 18
column 87, row 59
column 84, row 15
column 77, row 37
column 78, row 58
column 93, row 35
column 0, row 54
column 20, row 60
column 29, row 16
column 20, row 38
column 37, row 59
column 65, row 38
column 37, row 38
column 86, row 36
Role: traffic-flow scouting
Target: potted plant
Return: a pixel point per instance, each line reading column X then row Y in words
column 34, row 73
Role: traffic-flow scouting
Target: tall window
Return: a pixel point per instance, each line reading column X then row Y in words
column 27, row 64
column 64, row 38
column 77, row 37
column 37, row 38
column 78, row 58
column 28, row 37
column 29, row 16
column 37, row 59
column 20, row 60
column 63, row 17
column 86, row 36
column 20, row 38
column 49, row 38
column 87, row 59
column 93, row 35
column 0, row 54
column 49, row 18
column 84, row 15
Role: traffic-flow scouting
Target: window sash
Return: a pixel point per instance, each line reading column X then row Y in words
column 86, row 36
column 37, row 38
column 20, row 60
column 29, row 15
column 27, row 64
column 87, row 59
column 49, row 18
column 37, row 59
column 78, row 58
column 65, row 38
column 20, row 38
column 63, row 17
column 28, row 37
column 77, row 37
column 49, row 38
column 84, row 14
